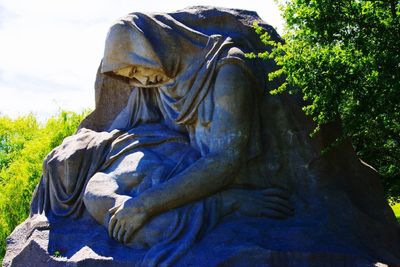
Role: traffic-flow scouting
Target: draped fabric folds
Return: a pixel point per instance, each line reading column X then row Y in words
column 66, row 171
column 191, row 59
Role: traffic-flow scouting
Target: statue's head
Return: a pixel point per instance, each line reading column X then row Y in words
column 130, row 56
column 132, row 52
column 140, row 76
column 148, row 50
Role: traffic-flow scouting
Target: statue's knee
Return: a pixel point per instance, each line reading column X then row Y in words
column 87, row 198
column 99, row 195
column 91, row 192
column 93, row 200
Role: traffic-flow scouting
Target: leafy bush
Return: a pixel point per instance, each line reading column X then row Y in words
column 396, row 209
column 344, row 56
column 24, row 143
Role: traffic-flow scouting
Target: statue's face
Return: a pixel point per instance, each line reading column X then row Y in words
column 142, row 76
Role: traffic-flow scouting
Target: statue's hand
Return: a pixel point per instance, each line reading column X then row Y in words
column 271, row 202
column 126, row 219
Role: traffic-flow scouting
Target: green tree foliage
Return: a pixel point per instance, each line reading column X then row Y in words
column 345, row 58
column 396, row 209
column 24, row 143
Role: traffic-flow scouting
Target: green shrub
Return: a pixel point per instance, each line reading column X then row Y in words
column 24, row 143
column 396, row 209
column 344, row 57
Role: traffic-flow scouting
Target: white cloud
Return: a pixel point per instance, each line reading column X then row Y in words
column 50, row 50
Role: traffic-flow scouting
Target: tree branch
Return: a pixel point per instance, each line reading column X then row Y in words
column 393, row 8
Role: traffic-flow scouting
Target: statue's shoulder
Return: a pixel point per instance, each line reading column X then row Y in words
column 232, row 79
column 236, row 53
column 233, row 55
column 232, row 67
column 234, row 61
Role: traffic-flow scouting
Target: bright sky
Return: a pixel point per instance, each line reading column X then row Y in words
column 50, row 49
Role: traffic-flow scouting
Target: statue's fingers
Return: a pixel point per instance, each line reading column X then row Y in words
column 128, row 234
column 111, row 225
column 285, row 210
column 279, row 201
column 288, row 211
column 116, row 230
column 273, row 214
column 113, row 209
column 121, row 232
column 276, row 191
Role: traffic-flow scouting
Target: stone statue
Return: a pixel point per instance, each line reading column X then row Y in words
column 187, row 160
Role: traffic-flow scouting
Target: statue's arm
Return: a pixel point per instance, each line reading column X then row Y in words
column 229, row 136
column 228, row 140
